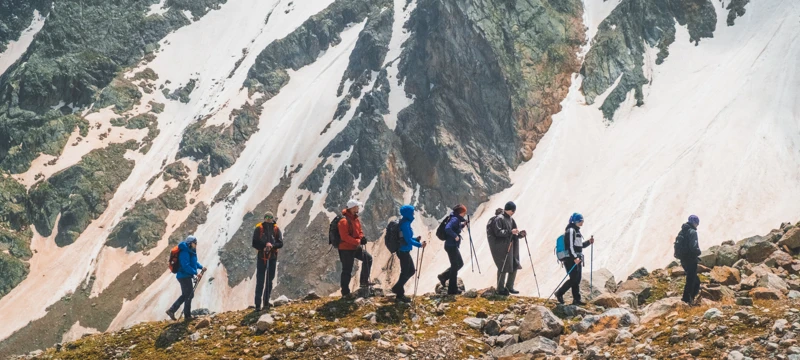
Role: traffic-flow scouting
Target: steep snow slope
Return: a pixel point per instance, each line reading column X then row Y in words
column 17, row 48
column 718, row 136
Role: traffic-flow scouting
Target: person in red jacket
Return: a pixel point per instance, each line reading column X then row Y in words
column 351, row 247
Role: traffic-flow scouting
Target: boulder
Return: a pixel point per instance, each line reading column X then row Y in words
column 727, row 255
column 202, row 323
column 748, row 282
column 323, row 340
column 761, row 293
column 741, row 264
column 639, row 273
column 716, row 292
column 265, row 322
column 791, row 238
column 624, row 317
column 661, row 307
column 492, row 328
column 536, row 346
column 640, row 288
column 756, row 249
column 712, row 313
column 779, row 259
column 708, row 257
column 506, row 340
column 793, row 294
column 608, row 301
column 677, row 271
column 725, row 275
column 475, row 323
column 630, row 298
column 772, row 281
column 471, row 294
column 540, row 321
column 744, row 301
column 280, row 301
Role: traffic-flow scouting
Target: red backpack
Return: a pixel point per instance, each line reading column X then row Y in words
column 174, row 263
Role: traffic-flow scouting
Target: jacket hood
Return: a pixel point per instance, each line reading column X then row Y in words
column 184, row 246
column 687, row 226
column 407, row 211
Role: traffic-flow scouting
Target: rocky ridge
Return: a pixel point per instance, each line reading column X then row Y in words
column 639, row 318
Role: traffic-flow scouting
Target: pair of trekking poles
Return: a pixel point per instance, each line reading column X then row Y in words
column 591, row 274
column 508, row 254
column 197, row 282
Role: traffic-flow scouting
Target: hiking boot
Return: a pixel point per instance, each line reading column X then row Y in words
column 560, row 298
column 187, row 319
column 442, row 279
column 578, row 303
column 457, row 292
column 503, row 292
column 403, row 298
column 171, row 315
column 512, row 291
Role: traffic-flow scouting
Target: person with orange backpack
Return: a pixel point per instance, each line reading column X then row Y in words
column 267, row 239
column 185, row 269
column 351, row 241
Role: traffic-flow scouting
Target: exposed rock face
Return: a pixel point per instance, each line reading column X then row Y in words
column 619, row 46
column 540, row 321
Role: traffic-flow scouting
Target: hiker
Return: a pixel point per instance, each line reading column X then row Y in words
column 407, row 269
column 188, row 269
column 573, row 244
column 452, row 243
column 267, row 239
column 503, row 236
column 688, row 255
column 351, row 247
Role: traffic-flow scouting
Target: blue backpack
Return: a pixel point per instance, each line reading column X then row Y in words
column 561, row 250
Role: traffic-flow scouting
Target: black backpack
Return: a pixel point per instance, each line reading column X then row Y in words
column 680, row 246
column 393, row 236
column 440, row 233
column 490, row 226
column 334, row 238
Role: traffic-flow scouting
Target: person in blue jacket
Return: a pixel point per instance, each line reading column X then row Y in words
column 407, row 269
column 451, row 246
column 189, row 267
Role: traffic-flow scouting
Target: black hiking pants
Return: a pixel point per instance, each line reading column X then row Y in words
column 263, row 268
column 692, row 287
column 348, row 257
column 451, row 274
column 574, row 281
column 406, row 272
column 187, row 289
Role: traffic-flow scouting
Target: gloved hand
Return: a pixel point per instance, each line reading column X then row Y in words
column 363, row 240
column 523, row 233
column 419, row 238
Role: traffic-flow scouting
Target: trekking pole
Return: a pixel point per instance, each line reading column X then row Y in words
column 419, row 271
column 534, row 269
column 500, row 270
column 591, row 271
column 559, row 284
column 472, row 248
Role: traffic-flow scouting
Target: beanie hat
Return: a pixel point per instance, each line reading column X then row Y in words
column 269, row 214
column 353, row 203
column 576, row 218
column 191, row 239
column 511, row 206
column 693, row 219
column 460, row 209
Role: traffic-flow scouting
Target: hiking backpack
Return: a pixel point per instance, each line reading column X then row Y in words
column 174, row 263
column 680, row 246
column 440, row 232
column 393, row 236
column 561, row 249
column 334, row 238
column 490, row 226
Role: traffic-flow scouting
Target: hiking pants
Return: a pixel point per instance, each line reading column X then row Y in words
column 574, row 281
column 503, row 283
column 187, row 288
column 692, row 287
column 406, row 272
column 348, row 257
column 261, row 271
column 456, row 262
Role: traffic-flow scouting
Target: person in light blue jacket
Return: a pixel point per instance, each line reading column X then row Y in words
column 407, row 269
column 189, row 267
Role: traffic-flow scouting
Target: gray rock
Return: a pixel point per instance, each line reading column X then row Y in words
column 660, row 308
column 491, row 327
column 404, row 349
column 780, row 326
column 471, row 294
column 791, row 238
column 513, row 330
column 639, row 273
column 744, row 301
column 540, row 321
column 727, row 255
column 630, row 298
column 535, row 346
column 348, row 346
column 323, row 340
column 735, row 355
column 506, row 340
column 640, row 288
column 475, row 323
column 280, row 301
column 712, row 313
column 772, row 281
column 265, row 322
column 195, row 336
column 708, row 257
column 625, row 318
column 311, row 296
column 794, row 294
column 756, row 249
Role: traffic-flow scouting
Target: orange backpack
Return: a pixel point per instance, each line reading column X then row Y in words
column 174, row 263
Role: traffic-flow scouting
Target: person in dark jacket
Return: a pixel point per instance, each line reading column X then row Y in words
column 407, row 269
column 452, row 243
column 503, row 236
column 267, row 239
column 690, row 260
column 189, row 267
column 574, row 245
column 351, row 247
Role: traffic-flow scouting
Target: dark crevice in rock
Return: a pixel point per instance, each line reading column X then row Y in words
column 736, row 9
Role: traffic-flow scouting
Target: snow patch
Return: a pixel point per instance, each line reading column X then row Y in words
column 15, row 49
column 398, row 99
column 76, row 332
column 158, row 9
